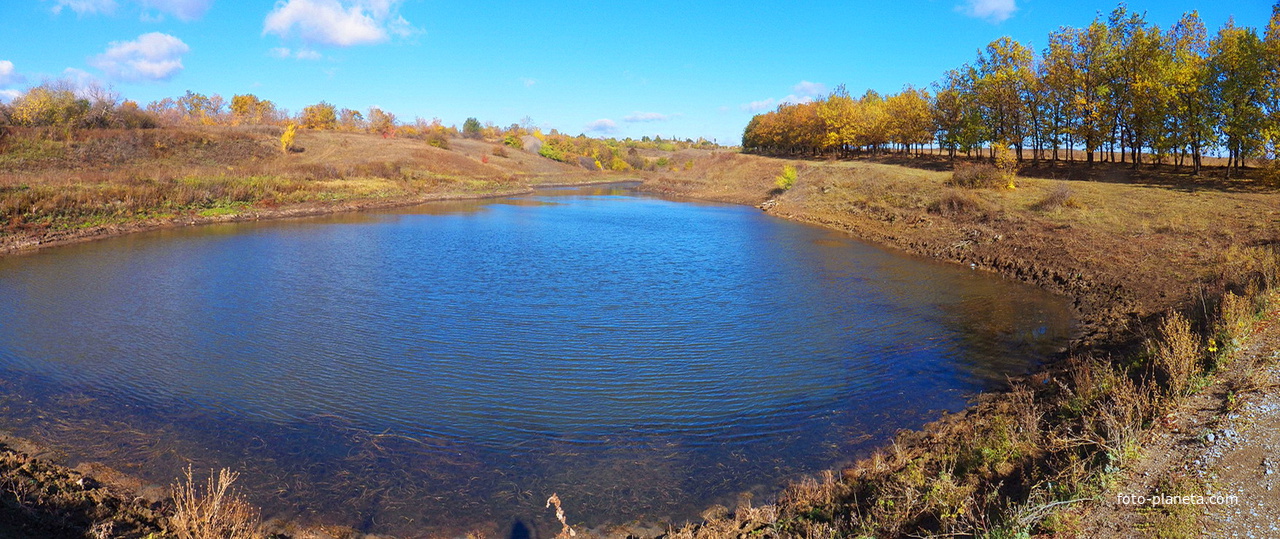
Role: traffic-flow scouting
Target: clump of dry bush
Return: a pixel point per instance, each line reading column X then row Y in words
column 1060, row 197
column 215, row 511
column 976, row 176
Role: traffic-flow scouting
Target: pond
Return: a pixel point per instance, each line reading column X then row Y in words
column 448, row 367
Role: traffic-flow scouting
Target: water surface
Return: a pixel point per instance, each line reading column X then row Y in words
column 449, row 366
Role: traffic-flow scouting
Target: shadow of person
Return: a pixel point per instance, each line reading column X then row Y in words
column 520, row 530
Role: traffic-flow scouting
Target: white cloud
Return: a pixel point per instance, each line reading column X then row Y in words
column 646, row 117
column 528, row 81
column 8, row 75
column 995, row 11
column 82, row 80
column 83, row 7
column 337, row 22
column 8, row 95
column 300, row 54
column 794, row 99
column 803, row 92
column 184, row 10
column 151, row 57
column 603, row 126
column 809, row 89
column 757, row 106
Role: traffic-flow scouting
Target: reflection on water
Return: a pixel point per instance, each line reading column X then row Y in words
column 450, row 366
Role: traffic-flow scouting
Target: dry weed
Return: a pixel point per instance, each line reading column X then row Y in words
column 955, row 202
column 1176, row 353
column 976, row 176
column 215, row 512
column 565, row 531
column 1060, row 197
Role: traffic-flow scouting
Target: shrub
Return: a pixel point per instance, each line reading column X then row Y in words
column 559, row 149
column 500, row 151
column 975, row 176
column 1060, row 197
column 1235, row 317
column 618, row 164
column 634, row 160
column 955, row 202
column 216, row 513
column 513, row 140
column 438, row 139
column 1006, row 165
column 1176, row 353
column 787, row 179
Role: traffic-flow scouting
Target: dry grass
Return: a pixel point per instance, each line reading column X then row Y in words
column 214, row 512
column 106, row 178
column 1060, row 197
column 977, row 176
column 1176, row 353
column 958, row 203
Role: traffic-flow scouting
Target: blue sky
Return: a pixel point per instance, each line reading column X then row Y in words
column 685, row 69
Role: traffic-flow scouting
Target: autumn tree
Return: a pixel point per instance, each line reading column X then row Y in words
column 1271, row 71
column 1091, row 107
column 248, row 109
column 1060, row 82
column 351, row 120
column 956, row 121
column 321, row 115
column 1189, row 124
column 1236, row 83
column 199, row 109
column 52, row 104
column 381, row 122
column 908, row 117
column 1003, row 75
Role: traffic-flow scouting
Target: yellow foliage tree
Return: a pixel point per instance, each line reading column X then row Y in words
column 1007, row 164
column 321, row 115
column 286, row 140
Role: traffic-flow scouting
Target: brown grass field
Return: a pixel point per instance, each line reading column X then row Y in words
column 105, row 182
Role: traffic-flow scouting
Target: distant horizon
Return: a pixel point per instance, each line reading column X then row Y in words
column 577, row 67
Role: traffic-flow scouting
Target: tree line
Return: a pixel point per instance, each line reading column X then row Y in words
column 1120, row 89
column 61, row 107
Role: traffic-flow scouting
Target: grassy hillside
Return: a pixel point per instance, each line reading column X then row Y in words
column 108, row 181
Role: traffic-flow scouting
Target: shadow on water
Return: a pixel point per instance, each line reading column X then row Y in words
column 449, row 369
column 520, row 530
